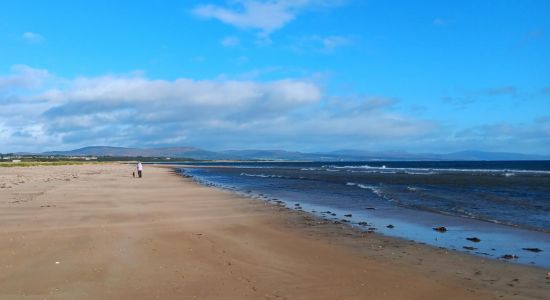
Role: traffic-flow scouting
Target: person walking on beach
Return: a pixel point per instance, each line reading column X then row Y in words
column 139, row 168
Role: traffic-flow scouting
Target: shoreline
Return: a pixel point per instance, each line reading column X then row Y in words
column 94, row 231
column 349, row 236
column 491, row 239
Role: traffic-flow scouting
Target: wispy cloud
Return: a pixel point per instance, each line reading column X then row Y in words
column 264, row 16
column 330, row 43
column 230, row 41
column 533, row 35
column 241, row 60
column 468, row 97
column 198, row 59
column 322, row 44
column 32, row 37
column 503, row 90
column 23, row 76
column 519, row 137
column 439, row 22
column 530, row 37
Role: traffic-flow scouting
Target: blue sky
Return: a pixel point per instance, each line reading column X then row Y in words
column 309, row 75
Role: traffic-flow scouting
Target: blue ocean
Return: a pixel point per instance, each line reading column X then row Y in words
column 506, row 205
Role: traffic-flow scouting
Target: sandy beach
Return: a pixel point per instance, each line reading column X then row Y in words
column 95, row 232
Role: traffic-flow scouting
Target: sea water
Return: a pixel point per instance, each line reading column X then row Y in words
column 504, row 204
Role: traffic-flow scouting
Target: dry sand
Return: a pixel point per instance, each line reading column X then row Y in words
column 94, row 232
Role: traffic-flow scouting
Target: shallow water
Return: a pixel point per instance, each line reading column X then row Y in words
column 468, row 198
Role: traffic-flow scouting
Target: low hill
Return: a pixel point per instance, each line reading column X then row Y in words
column 340, row 155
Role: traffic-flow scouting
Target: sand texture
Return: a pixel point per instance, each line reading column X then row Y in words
column 94, row 232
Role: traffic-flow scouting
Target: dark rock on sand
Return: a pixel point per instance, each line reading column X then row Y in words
column 536, row 250
column 474, row 239
column 440, row 229
column 509, row 256
column 390, row 226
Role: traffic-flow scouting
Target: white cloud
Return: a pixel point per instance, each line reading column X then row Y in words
column 23, row 76
column 32, row 37
column 230, row 41
column 113, row 89
column 129, row 110
column 266, row 16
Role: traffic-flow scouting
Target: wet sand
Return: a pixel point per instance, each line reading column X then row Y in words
column 94, row 232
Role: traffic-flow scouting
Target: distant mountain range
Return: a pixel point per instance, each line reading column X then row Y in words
column 172, row 152
column 341, row 155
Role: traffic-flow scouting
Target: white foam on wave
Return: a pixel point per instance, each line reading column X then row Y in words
column 431, row 171
column 420, row 173
column 261, row 175
column 347, row 167
column 371, row 188
column 374, row 189
column 364, row 186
